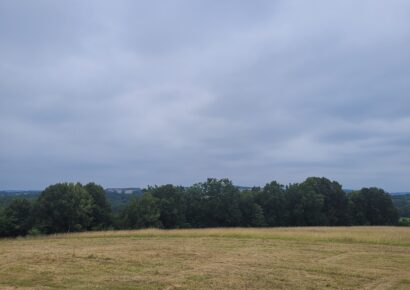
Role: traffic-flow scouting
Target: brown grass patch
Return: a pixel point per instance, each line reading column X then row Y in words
column 280, row 258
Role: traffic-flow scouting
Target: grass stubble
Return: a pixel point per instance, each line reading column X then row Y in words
column 236, row 258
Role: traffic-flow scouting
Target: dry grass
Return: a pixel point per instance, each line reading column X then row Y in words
column 280, row 258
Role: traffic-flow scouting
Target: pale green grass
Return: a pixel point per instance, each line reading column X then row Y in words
column 279, row 258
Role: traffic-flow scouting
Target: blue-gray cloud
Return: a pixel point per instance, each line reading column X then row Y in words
column 130, row 93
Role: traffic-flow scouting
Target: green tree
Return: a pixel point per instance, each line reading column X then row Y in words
column 214, row 203
column 19, row 219
column 4, row 223
column 272, row 199
column 335, row 203
column 64, row 207
column 221, row 201
column 252, row 213
column 142, row 212
column 372, row 206
column 172, row 205
column 257, row 217
column 196, row 215
column 304, row 206
column 101, row 208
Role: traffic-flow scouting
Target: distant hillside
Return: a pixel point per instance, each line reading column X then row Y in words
column 18, row 192
column 243, row 188
column 125, row 190
column 391, row 193
column 400, row 193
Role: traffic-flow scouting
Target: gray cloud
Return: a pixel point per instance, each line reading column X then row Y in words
column 130, row 93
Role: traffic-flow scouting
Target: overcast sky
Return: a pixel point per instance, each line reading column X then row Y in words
column 131, row 93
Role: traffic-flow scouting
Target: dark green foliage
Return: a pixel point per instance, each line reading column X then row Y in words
column 64, row 207
column 372, row 206
column 252, row 213
column 215, row 203
column 305, row 206
column 317, row 201
column 196, row 213
column 100, row 209
column 6, row 199
column 257, row 216
column 172, row 205
column 142, row 212
column 18, row 218
column 67, row 207
column 3, row 223
column 402, row 203
column 335, row 203
column 404, row 221
column 272, row 199
column 119, row 201
column 246, row 206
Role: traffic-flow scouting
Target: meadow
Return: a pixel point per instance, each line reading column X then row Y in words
column 221, row 258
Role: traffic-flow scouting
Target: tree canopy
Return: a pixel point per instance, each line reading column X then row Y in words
column 68, row 207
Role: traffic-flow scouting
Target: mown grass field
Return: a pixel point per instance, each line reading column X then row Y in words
column 279, row 258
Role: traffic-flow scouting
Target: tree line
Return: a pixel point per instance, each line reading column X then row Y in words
column 69, row 207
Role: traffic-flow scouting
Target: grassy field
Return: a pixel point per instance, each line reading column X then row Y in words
column 279, row 258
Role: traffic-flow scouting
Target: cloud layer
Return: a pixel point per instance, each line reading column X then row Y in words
column 130, row 93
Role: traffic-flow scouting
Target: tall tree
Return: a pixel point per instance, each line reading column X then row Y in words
column 372, row 206
column 196, row 214
column 142, row 212
column 335, row 203
column 64, row 207
column 214, row 203
column 172, row 205
column 19, row 219
column 272, row 199
column 221, row 201
column 304, row 206
column 252, row 213
column 100, row 209
column 4, row 223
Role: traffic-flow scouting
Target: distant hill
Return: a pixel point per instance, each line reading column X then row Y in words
column 18, row 192
column 400, row 193
column 243, row 188
column 124, row 190
column 391, row 193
